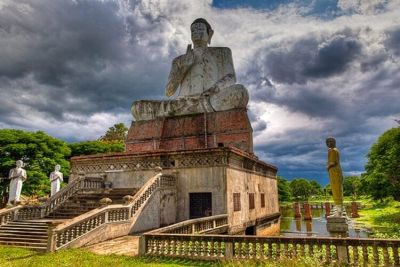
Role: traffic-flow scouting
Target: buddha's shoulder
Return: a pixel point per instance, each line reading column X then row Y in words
column 220, row 50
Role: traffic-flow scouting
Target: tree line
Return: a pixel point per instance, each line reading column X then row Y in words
column 380, row 180
column 40, row 152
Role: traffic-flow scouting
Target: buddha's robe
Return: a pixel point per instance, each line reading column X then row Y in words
column 335, row 175
column 55, row 179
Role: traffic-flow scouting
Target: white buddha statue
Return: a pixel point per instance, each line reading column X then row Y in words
column 17, row 177
column 56, row 178
column 205, row 77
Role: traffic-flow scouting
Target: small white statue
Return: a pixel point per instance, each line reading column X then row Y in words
column 17, row 177
column 56, row 178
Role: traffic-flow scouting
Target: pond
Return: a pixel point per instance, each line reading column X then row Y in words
column 289, row 226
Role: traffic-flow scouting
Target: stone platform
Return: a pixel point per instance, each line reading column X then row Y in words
column 229, row 128
column 224, row 173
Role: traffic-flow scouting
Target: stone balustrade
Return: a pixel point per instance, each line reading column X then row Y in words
column 217, row 223
column 354, row 251
column 28, row 212
column 65, row 234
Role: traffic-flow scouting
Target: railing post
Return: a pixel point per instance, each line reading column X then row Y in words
column 51, row 238
column 342, row 253
column 106, row 217
column 142, row 247
column 193, row 228
column 228, row 250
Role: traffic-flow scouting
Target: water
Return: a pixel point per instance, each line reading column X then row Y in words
column 289, row 226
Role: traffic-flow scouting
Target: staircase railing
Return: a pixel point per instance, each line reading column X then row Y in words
column 34, row 212
column 66, row 233
column 214, row 224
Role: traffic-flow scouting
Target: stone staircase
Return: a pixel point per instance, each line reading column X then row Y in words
column 86, row 201
column 29, row 234
column 33, row 234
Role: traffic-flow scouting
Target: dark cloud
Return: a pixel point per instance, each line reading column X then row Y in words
column 310, row 58
column 90, row 51
column 392, row 41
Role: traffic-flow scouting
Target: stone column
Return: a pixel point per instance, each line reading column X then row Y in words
column 307, row 211
column 297, row 213
column 327, row 209
column 354, row 210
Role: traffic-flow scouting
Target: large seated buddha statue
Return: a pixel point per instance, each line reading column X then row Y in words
column 205, row 78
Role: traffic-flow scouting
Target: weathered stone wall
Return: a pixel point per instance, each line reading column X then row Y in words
column 159, row 211
column 245, row 182
column 205, row 179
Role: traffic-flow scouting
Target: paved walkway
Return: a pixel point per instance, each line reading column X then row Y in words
column 126, row 245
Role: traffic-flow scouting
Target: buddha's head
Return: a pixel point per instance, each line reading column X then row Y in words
column 331, row 142
column 19, row 163
column 201, row 32
column 57, row 168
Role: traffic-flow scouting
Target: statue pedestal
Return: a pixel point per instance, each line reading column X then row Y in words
column 337, row 225
column 230, row 128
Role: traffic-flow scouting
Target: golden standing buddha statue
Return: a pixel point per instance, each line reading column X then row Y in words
column 335, row 175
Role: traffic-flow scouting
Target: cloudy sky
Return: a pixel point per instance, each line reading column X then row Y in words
column 314, row 68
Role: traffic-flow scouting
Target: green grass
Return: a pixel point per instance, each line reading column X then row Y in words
column 15, row 257
column 383, row 217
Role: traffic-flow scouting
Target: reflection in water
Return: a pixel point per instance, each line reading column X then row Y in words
column 309, row 227
column 315, row 227
column 298, row 225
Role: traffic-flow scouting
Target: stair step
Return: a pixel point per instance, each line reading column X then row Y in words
column 41, row 248
column 21, row 243
column 6, row 235
column 15, row 231
column 16, row 225
column 23, row 228
column 22, row 239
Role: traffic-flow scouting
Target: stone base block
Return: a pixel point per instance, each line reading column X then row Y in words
column 337, row 224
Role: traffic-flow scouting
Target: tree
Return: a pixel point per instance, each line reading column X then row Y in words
column 116, row 133
column 316, row 188
column 284, row 193
column 301, row 188
column 351, row 185
column 95, row 147
column 382, row 177
column 40, row 153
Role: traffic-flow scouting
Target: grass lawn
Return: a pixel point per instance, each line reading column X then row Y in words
column 383, row 217
column 16, row 257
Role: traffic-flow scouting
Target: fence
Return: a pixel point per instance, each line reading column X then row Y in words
column 355, row 251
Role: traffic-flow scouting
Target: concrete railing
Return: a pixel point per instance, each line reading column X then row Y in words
column 28, row 212
column 214, row 224
column 118, row 219
column 354, row 251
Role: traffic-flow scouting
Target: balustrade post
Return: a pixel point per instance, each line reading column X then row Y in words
column 51, row 237
column 342, row 253
column 229, row 250
column 106, row 216
column 142, row 247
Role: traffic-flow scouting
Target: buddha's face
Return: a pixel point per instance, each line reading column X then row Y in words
column 199, row 33
column 19, row 163
column 331, row 143
column 57, row 168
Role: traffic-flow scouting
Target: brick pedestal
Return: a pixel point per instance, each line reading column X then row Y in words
column 229, row 128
